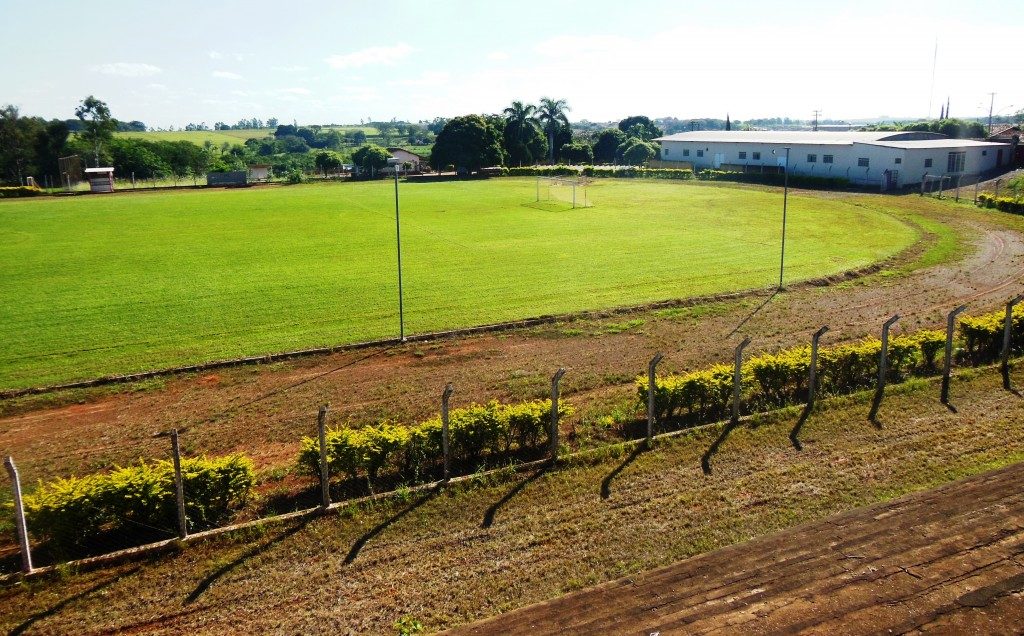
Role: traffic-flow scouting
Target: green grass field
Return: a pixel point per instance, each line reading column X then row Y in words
column 122, row 283
column 199, row 137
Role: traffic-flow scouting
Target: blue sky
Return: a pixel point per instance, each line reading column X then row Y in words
column 170, row 63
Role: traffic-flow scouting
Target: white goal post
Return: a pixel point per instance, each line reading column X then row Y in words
column 572, row 190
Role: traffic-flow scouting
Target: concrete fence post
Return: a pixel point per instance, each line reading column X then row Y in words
column 736, row 380
column 812, row 374
column 883, row 367
column 445, row 431
column 948, row 364
column 179, row 486
column 977, row 184
column 555, row 379
column 325, row 477
column 998, row 182
column 19, row 516
column 651, row 386
column 1004, row 355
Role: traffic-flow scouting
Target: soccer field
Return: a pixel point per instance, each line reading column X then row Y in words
column 122, row 283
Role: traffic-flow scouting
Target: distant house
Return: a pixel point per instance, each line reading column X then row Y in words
column 1010, row 135
column 100, row 179
column 411, row 161
column 887, row 160
column 259, row 171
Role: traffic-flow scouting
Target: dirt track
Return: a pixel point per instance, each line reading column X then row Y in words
column 949, row 560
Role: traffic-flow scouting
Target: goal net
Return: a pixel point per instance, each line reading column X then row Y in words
column 569, row 190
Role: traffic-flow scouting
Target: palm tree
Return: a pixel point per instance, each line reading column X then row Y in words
column 551, row 114
column 520, row 115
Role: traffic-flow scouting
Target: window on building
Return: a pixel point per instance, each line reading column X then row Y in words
column 955, row 163
column 743, row 155
column 984, row 153
column 666, row 152
column 812, row 158
column 757, row 156
column 826, row 159
column 928, row 163
column 899, row 159
column 700, row 153
column 863, row 162
column 686, row 153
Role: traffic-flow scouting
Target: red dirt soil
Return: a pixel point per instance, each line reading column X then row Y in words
column 949, row 560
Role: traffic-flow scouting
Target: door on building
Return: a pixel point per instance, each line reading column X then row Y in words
column 719, row 159
column 892, row 179
column 999, row 157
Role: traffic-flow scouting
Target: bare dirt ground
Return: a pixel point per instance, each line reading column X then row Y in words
column 264, row 410
column 948, row 560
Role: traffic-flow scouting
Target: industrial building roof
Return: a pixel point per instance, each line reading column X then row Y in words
column 820, row 137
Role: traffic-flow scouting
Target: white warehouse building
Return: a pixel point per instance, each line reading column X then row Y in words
column 887, row 160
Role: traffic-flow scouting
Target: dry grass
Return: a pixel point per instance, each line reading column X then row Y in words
column 477, row 550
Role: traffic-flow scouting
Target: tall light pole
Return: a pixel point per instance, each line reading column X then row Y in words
column 785, row 199
column 394, row 163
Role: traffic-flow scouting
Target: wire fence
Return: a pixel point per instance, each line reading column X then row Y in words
column 177, row 494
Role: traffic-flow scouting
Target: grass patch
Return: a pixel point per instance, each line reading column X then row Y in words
column 124, row 283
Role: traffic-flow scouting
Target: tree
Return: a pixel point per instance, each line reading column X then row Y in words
column 326, row 160
column 522, row 139
column 607, row 145
column 272, row 122
column 469, row 142
column 637, row 152
column 552, row 115
column 649, row 130
column 371, row 158
column 97, row 125
column 577, row 152
column 359, row 137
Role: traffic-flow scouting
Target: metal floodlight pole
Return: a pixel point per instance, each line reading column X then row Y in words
column 785, row 201
column 179, row 486
column 325, row 478
column 398, row 243
column 947, row 366
column 1004, row 355
column 737, row 375
column 651, row 383
column 445, row 445
column 555, row 379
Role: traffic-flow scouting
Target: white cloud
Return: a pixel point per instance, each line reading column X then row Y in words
column 497, row 56
column 298, row 68
column 427, row 78
column 127, row 69
column 371, row 55
column 215, row 55
column 296, row 91
column 157, row 87
column 228, row 75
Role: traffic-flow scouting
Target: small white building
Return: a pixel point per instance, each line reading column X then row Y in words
column 100, row 179
column 259, row 171
column 410, row 161
column 887, row 160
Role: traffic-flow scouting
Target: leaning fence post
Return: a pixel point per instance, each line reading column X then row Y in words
column 736, row 377
column 445, row 444
column 950, row 328
column 883, row 367
column 651, row 382
column 1004, row 355
column 958, row 179
column 325, row 481
column 179, row 486
column 555, row 379
column 812, row 379
column 19, row 516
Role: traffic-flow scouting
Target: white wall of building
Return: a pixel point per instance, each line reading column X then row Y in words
column 907, row 158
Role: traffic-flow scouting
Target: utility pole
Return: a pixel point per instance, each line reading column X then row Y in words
column 816, row 113
column 991, row 103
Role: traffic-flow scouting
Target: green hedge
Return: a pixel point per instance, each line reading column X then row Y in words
column 983, row 335
column 19, row 191
column 1003, row 204
column 797, row 181
column 780, row 379
column 136, row 501
column 410, row 451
